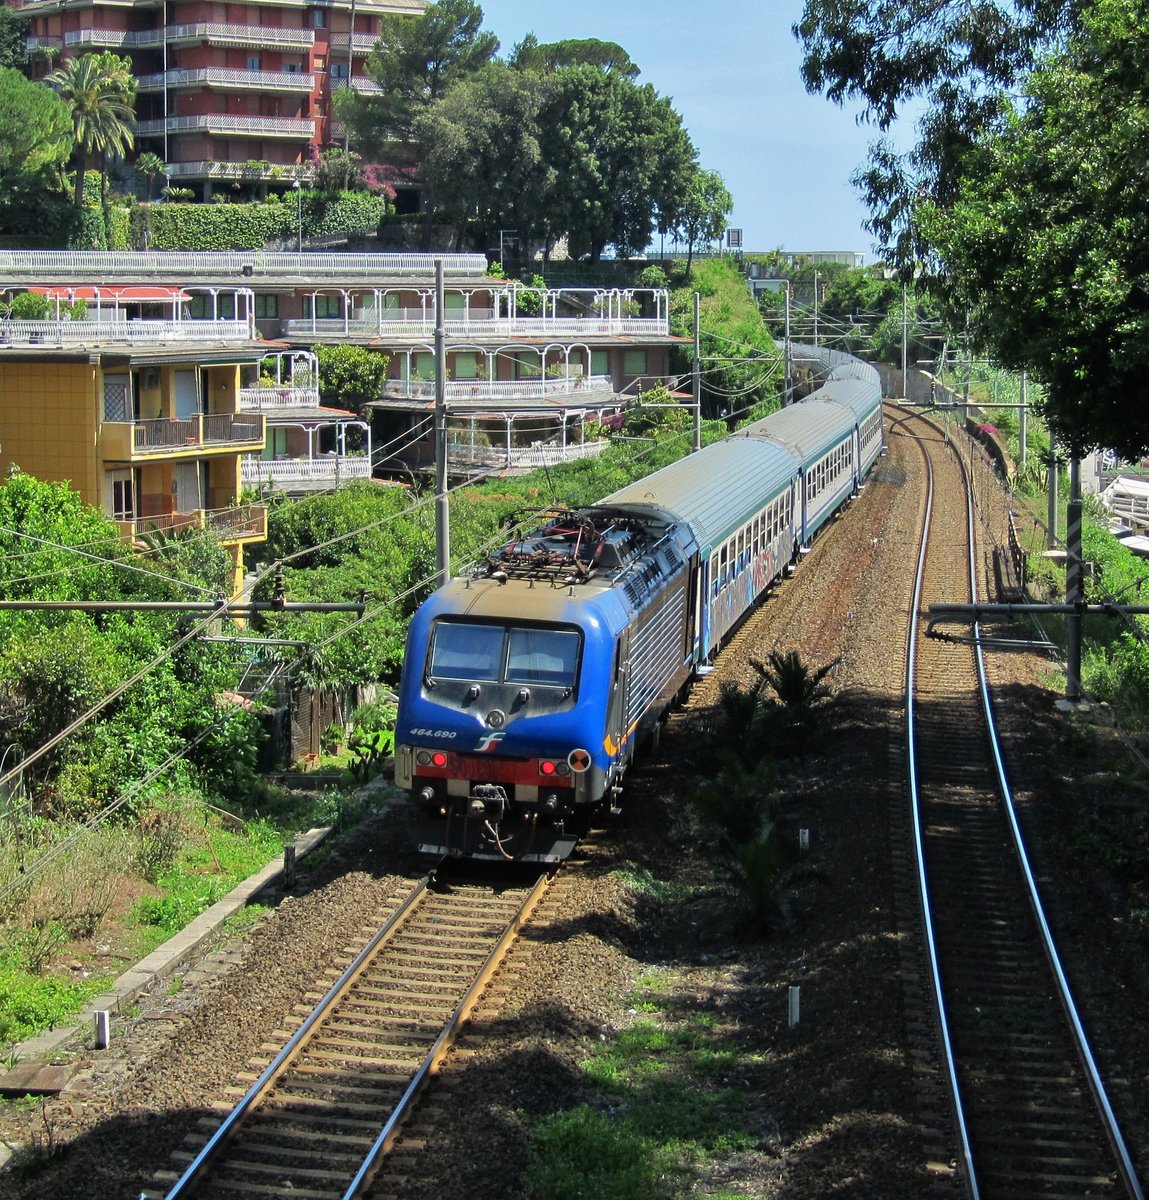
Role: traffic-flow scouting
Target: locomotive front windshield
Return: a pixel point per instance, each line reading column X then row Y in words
column 521, row 654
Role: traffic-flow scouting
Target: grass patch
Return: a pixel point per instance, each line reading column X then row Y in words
column 669, row 1099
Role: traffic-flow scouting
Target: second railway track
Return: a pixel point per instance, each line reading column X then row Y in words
column 1028, row 1114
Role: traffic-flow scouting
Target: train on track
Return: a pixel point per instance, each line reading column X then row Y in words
column 530, row 681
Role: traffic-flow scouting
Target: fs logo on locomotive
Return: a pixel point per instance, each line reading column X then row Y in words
column 488, row 742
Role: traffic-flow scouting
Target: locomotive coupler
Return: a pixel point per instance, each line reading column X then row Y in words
column 488, row 800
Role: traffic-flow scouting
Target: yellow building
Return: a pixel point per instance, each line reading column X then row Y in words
column 151, row 434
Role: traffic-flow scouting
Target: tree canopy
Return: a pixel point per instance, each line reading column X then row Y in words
column 949, row 56
column 1045, row 245
column 37, row 128
column 559, row 141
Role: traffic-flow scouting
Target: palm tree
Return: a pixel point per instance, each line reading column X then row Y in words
column 150, row 166
column 99, row 89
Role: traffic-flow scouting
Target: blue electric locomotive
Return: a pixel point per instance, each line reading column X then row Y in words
column 529, row 682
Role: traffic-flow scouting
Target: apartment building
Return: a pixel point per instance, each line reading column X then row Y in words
column 141, row 416
column 528, row 371
column 227, row 91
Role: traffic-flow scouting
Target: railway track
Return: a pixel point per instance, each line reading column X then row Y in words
column 322, row 1113
column 1030, row 1110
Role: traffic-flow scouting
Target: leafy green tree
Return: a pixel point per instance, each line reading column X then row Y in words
column 946, row 56
column 618, row 154
column 702, row 210
column 415, row 62
column 37, row 127
column 99, row 90
column 529, row 55
column 13, row 40
column 350, row 377
column 482, row 151
column 1045, row 243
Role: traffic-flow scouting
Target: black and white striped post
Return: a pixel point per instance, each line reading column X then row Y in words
column 1074, row 584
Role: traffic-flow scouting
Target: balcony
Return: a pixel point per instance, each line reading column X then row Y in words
column 35, row 266
column 364, row 43
column 214, row 169
column 240, row 35
column 271, row 399
column 593, row 391
column 114, row 332
column 230, row 78
column 421, row 325
column 304, row 474
column 113, row 39
column 247, row 523
column 130, row 441
column 234, row 126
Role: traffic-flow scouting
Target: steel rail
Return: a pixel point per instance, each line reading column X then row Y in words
column 965, row 1155
column 186, row 1183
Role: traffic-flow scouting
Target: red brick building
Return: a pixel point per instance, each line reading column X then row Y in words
column 227, row 91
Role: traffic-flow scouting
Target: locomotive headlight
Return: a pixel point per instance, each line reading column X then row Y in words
column 562, row 768
column 438, row 759
column 423, row 758
column 496, row 718
column 546, row 767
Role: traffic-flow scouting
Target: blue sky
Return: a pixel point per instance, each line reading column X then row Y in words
column 732, row 72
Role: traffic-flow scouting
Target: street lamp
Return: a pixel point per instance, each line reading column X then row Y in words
column 299, row 215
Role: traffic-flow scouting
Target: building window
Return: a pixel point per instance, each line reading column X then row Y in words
column 254, row 63
column 123, row 496
column 318, row 19
column 266, row 307
column 634, row 362
column 275, row 445
column 599, row 362
column 118, row 398
column 328, row 308
column 338, row 70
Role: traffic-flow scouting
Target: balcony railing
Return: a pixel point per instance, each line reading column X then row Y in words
column 325, row 469
column 229, row 77
column 135, row 39
column 423, row 326
column 364, row 43
column 234, row 170
column 247, row 522
column 521, row 458
column 241, row 35
column 167, row 265
column 593, row 389
column 268, row 399
column 163, row 434
column 292, row 127
column 133, row 333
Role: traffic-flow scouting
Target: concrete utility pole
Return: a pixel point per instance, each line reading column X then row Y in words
column 1051, row 497
column 442, row 509
column 1023, row 430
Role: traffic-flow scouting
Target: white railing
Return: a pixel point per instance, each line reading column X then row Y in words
column 136, row 38
column 358, row 84
column 235, row 170
column 175, row 265
column 523, row 458
column 43, row 43
column 226, row 123
column 272, row 81
column 263, row 399
column 364, row 43
column 241, row 35
column 324, row 469
column 424, row 326
column 590, row 388
column 97, row 333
